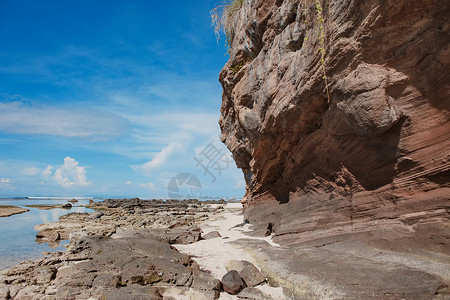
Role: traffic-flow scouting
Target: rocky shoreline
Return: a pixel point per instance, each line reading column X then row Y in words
column 134, row 249
column 124, row 251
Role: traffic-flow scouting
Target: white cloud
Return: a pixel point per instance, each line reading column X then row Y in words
column 47, row 173
column 70, row 174
column 31, row 171
column 129, row 182
column 16, row 117
column 153, row 131
column 6, row 184
column 159, row 159
column 149, row 186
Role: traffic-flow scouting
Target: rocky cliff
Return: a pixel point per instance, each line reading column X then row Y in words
column 366, row 151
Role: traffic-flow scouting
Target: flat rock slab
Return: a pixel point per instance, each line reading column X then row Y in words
column 103, row 267
column 6, row 211
column 316, row 273
column 171, row 236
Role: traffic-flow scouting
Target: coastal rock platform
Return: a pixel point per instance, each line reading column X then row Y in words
column 114, row 254
column 121, row 251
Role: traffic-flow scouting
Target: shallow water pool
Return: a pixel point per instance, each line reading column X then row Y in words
column 17, row 236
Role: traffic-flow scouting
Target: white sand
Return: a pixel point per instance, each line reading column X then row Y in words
column 212, row 255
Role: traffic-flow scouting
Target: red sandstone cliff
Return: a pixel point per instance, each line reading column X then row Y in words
column 375, row 157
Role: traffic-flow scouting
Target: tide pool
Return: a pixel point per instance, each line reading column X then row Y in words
column 17, row 236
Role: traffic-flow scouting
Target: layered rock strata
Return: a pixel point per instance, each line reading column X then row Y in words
column 377, row 151
column 354, row 168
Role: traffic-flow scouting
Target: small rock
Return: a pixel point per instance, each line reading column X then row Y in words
column 232, row 282
column 211, row 235
column 91, row 202
column 67, row 206
column 73, row 200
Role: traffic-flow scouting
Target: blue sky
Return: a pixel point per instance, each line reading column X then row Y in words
column 110, row 98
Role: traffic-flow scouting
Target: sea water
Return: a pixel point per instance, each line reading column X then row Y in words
column 17, row 236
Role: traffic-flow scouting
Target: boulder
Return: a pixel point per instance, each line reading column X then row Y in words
column 251, row 275
column 232, row 282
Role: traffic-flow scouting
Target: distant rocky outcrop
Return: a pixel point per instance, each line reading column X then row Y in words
column 377, row 151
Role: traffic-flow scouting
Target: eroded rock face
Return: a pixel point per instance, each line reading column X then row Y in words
column 377, row 149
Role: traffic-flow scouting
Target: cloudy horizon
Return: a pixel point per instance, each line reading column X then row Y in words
column 100, row 99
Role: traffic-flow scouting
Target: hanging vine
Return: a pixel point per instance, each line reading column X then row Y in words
column 320, row 20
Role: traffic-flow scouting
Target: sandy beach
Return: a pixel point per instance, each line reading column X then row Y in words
column 214, row 254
